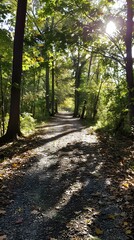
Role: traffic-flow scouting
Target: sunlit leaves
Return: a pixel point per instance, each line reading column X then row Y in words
column 4, row 10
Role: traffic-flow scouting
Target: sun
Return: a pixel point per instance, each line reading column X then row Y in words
column 111, row 28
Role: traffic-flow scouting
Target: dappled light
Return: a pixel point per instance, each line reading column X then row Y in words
column 68, row 185
column 66, row 120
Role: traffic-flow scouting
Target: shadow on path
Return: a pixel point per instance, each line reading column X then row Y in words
column 73, row 193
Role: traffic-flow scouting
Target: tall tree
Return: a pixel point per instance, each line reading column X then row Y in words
column 13, row 129
column 129, row 59
column 2, row 100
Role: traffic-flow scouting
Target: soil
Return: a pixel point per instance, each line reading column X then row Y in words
column 66, row 182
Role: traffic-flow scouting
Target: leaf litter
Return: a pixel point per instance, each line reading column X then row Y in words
column 87, row 195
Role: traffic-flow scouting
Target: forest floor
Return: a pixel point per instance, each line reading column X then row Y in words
column 67, row 182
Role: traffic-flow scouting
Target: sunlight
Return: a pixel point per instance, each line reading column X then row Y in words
column 133, row 52
column 111, row 28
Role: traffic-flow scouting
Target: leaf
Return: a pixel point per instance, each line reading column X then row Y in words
column 123, row 214
column 98, row 231
column 125, row 223
column 3, row 237
column 111, row 216
column 34, row 212
column 19, row 220
column 1, row 176
column 128, row 231
column 125, row 184
column 88, row 221
column 14, row 165
column 19, row 209
column 2, row 212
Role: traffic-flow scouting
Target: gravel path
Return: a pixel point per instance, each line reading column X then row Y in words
column 67, row 193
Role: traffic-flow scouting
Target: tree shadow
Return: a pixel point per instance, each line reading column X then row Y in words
column 96, row 192
column 77, row 191
column 36, row 140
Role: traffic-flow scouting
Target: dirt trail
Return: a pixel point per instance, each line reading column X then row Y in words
column 67, row 193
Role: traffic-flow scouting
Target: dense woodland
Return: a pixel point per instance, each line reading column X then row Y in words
column 66, row 55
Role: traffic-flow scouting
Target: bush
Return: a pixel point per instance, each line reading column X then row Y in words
column 27, row 122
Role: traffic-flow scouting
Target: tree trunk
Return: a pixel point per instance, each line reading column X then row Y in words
column 14, row 118
column 77, row 84
column 129, row 60
column 83, row 110
column 89, row 68
column 2, row 101
column 47, row 87
column 96, row 102
column 53, row 102
column 98, row 94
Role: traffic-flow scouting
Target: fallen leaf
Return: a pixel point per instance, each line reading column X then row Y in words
column 19, row 220
column 88, row 221
column 123, row 214
column 3, row 237
column 125, row 184
column 111, row 216
column 2, row 212
column 1, row 176
column 34, row 212
column 19, row 210
column 128, row 231
column 4, row 187
column 125, row 223
column 96, row 194
column 14, row 165
column 98, row 231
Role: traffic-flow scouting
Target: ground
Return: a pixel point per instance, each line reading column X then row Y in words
column 67, row 182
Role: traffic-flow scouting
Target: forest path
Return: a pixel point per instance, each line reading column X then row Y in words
column 71, row 190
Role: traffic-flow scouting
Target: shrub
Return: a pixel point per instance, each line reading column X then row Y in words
column 28, row 123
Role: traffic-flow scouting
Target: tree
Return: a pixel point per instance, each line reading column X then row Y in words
column 13, row 129
column 129, row 60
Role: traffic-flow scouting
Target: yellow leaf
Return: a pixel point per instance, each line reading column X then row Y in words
column 19, row 209
column 1, row 176
column 125, row 223
column 98, row 231
column 14, row 165
column 88, row 221
column 125, row 184
column 128, row 232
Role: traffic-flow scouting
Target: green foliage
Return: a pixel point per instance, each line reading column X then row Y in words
column 67, row 105
column 112, row 110
column 28, row 123
column 57, row 29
